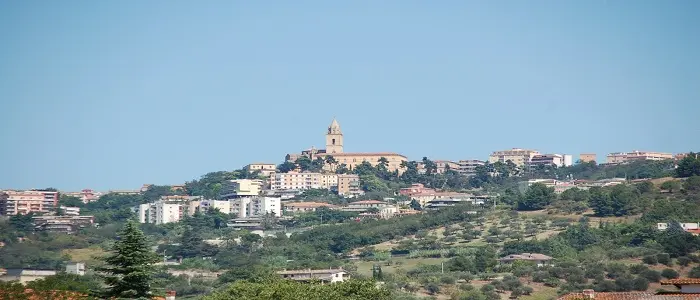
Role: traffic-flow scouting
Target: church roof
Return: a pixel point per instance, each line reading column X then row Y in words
column 334, row 124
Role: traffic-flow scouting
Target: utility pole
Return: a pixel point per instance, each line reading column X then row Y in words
column 442, row 265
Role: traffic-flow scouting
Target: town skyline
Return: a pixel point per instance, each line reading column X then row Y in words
column 112, row 95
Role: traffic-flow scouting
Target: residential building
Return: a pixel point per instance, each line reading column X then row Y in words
column 125, row 192
column 364, row 205
column 70, row 211
column 265, row 169
column 687, row 289
column 539, row 259
column 587, row 157
column 76, row 268
column 438, row 203
column 546, row 160
column 223, row 206
column 303, row 181
column 62, row 224
column 440, row 166
column 260, row 206
column 568, row 160
column 468, row 167
column 427, row 196
column 297, row 207
column 516, row 155
column 329, row 275
column 558, row 186
column 25, row 275
column 334, row 148
column 416, row 188
column 239, row 206
column 86, row 195
column 693, row 228
column 24, row 202
column 384, row 212
column 242, row 188
column 349, row 185
column 168, row 209
column 624, row 157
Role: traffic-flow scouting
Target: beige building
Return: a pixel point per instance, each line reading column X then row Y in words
column 587, row 157
column 518, row 156
column 302, row 181
column 468, row 167
column 327, row 275
column 623, row 157
column 349, row 185
column 297, row 207
column 23, row 276
column 334, row 148
column 24, row 202
column 264, row 168
column 242, row 188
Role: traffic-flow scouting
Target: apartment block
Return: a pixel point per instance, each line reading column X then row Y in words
column 168, row 210
column 242, row 188
column 264, row 168
column 223, row 206
column 297, row 207
column 624, row 157
column 516, row 155
column 349, row 185
column 24, row 202
column 547, row 160
column 256, row 206
column 303, row 181
column 587, row 157
column 62, row 224
column 70, row 211
column 468, row 167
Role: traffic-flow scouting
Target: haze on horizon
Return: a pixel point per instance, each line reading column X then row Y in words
column 114, row 94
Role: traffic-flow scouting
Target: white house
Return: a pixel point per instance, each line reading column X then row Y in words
column 330, row 275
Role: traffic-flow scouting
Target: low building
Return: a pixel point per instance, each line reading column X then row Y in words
column 364, row 205
column 349, row 185
column 688, row 289
column 468, row 167
column 625, row 157
column 24, row 202
column 416, row 188
column 25, row 275
column 450, row 202
column 168, row 209
column 329, row 275
column 223, row 206
column 86, row 195
column 516, row 155
column 693, row 228
column 76, row 268
column 297, row 207
column 537, row 258
column 384, row 212
column 265, row 169
column 70, row 211
column 440, row 166
column 546, row 160
column 425, row 197
column 62, row 224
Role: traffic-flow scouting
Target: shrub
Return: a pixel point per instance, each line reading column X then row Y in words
column 664, row 258
column 432, row 288
column 447, row 280
column 669, row 273
column 640, row 284
column 651, row 275
column 694, row 272
column 684, row 261
column 650, row 260
column 639, row 268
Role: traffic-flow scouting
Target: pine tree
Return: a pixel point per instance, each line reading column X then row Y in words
column 129, row 270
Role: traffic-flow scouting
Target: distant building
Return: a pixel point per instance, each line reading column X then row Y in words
column 223, row 206
column 624, row 157
column 587, row 157
column 693, row 228
column 349, row 185
column 364, row 205
column 168, row 209
column 539, row 259
column 256, row 206
column 25, row 275
column 62, row 224
column 297, row 207
column 86, row 195
column 70, row 211
column 329, row 275
column 688, row 289
column 24, row 202
column 334, row 148
column 546, row 160
column 440, row 166
column 568, row 160
column 242, row 188
column 516, row 155
column 303, row 181
column 416, row 188
column 265, row 169
column 453, row 201
column 468, row 167
column 76, row 268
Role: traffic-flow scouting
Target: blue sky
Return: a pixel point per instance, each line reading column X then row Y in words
column 114, row 94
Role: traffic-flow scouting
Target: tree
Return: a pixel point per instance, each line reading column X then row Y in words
column 671, row 185
column 286, row 167
column 669, row 273
column 279, row 289
column 415, row 205
column 694, row 272
column 692, row 184
column 331, row 161
column 689, row 165
column 70, row 201
column 342, row 169
column 536, row 197
column 129, row 269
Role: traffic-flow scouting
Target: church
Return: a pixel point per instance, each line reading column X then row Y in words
column 334, row 148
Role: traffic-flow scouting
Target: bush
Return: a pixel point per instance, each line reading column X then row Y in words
column 664, row 258
column 694, row 272
column 447, row 280
column 650, row 260
column 432, row 288
column 684, row 261
column 640, row 284
column 637, row 269
column 669, row 273
column 651, row 275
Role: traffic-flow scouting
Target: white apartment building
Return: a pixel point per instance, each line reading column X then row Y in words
column 256, row 206
column 223, row 206
column 242, row 188
column 623, row 157
column 162, row 212
column 518, row 156
column 302, row 181
column 70, row 211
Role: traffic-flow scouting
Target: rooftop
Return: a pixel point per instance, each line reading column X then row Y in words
column 368, row 202
column 526, row 256
column 308, row 204
column 312, row 272
column 367, row 154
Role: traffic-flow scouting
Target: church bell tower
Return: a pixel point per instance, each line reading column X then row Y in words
column 334, row 138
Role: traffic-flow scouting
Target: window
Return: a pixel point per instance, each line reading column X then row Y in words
column 333, row 141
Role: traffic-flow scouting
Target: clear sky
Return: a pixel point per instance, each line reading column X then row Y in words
column 114, row 94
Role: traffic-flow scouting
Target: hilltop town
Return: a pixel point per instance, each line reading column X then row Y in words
column 519, row 224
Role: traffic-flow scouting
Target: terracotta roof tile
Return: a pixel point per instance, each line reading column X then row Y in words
column 681, row 281
column 631, row 296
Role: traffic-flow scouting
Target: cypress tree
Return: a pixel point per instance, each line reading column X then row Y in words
column 129, row 270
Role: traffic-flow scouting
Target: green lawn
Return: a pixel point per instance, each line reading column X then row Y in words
column 365, row 267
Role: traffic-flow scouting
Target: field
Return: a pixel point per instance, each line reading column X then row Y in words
column 400, row 263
